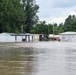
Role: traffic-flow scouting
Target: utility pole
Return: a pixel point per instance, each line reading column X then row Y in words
column 48, row 29
column 22, row 29
column 22, row 32
column 53, row 31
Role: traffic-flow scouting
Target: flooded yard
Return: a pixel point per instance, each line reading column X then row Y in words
column 38, row 58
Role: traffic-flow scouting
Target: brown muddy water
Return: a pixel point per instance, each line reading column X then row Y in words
column 39, row 58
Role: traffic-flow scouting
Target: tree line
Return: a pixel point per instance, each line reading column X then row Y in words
column 15, row 14
column 44, row 28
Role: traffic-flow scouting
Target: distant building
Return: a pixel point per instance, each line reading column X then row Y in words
column 54, row 37
column 8, row 37
column 27, row 37
column 38, row 37
column 68, row 36
column 12, row 37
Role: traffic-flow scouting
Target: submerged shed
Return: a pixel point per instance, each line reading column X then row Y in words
column 54, row 37
column 68, row 36
column 9, row 37
column 12, row 37
column 27, row 37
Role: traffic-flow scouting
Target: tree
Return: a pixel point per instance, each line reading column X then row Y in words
column 74, row 25
column 11, row 16
column 31, row 9
column 69, row 23
column 50, row 28
column 60, row 28
column 2, row 25
column 17, row 16
column 40, row 28
column 55, row 28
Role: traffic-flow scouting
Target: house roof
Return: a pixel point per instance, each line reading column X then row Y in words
column 70, row 33
column 27, row 34
column 51, row 35
column 8, row 34
column 21, row 34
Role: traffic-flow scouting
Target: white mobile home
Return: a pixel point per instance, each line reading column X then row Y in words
column 27, row 37
column 38, row 37
column 68, row 36
column 12, row 37
column 54, row 37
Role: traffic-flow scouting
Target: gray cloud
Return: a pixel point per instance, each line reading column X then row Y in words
column 56, row 3
column 64, row 3
column 56, row 8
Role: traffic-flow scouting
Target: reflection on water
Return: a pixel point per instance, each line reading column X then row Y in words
column 71, row 61
column 17, row 61
column 37, row 61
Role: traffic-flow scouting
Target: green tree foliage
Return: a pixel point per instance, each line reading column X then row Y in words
column 55, row 28
column 50, row 28
column 60, row 28
column 31, row 9
column 42, row 28
column 11, row 16
column 74, row 26
column 70, row 23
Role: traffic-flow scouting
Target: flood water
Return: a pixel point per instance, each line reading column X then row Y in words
column 43, row 58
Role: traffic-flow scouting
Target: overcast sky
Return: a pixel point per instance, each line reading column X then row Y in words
column 56, row 11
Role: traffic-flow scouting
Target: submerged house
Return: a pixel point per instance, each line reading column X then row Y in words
column 9, row 37
column 27, row 37
column 68, row 36
column 54, row 37
column 39, row 37
column 12, row 37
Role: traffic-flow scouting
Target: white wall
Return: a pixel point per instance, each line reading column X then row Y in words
column 10, row 39
column 7, row 39
column 73, row 38
column 19, row 39
column 29, row 38
column 68, row 37
column 36, row 37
